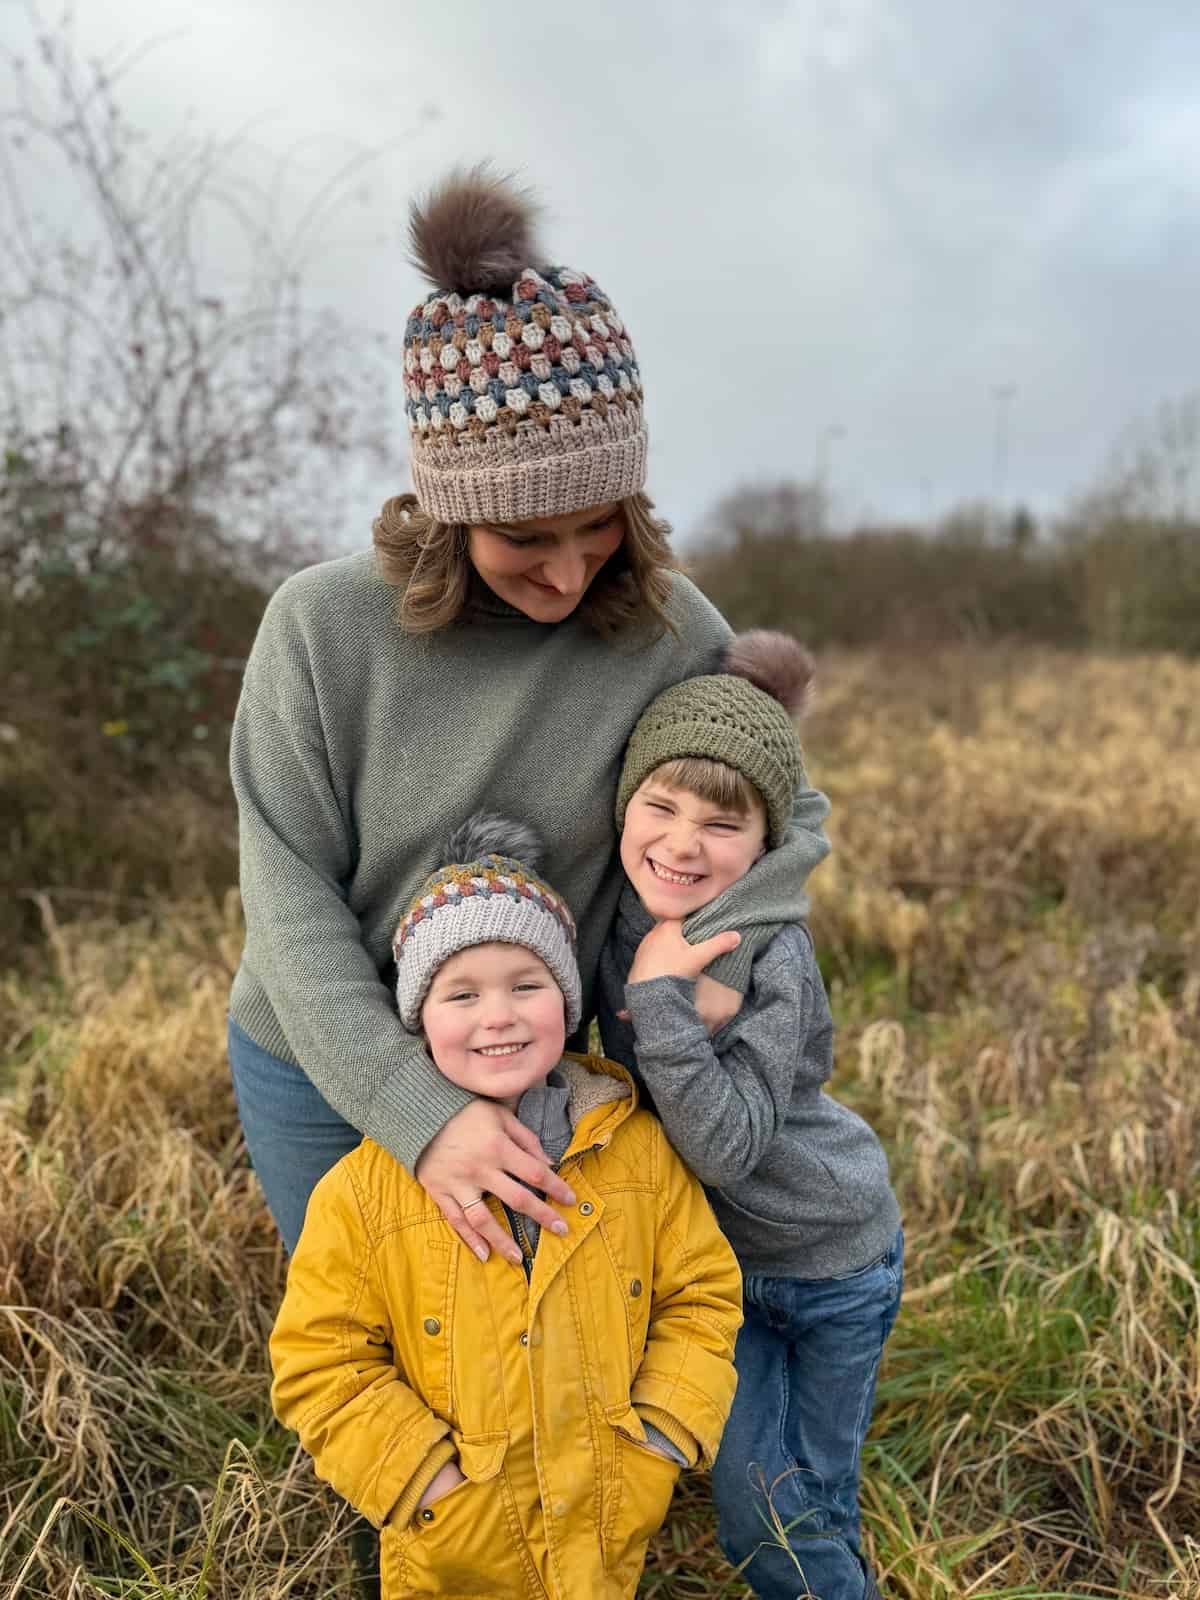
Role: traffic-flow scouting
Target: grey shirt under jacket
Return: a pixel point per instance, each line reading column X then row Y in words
column 798, row 1182
column 358, row 748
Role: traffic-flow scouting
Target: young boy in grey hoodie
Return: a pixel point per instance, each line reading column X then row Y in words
column 798, row 1182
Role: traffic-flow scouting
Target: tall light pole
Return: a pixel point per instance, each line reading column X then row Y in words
column 827, row 435
column 1002, row 397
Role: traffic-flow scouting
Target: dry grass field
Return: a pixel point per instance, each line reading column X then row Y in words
column 1010, row 927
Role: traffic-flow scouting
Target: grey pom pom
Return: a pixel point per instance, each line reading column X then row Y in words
column 775, row 663
column 486, row 834
column 474, row 232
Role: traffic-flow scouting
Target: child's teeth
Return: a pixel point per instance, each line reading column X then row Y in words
column 674, row 877
column 500, row 1049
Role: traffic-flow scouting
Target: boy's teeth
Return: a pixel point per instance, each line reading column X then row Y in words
column 687, row 878
column 500, row 1049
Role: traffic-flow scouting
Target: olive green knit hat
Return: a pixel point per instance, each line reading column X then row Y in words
column 741, row 716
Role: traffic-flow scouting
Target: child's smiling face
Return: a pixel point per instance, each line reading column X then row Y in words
column 495, row 1020
column 680, row 852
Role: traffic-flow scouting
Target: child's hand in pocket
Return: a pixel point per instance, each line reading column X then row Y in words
column 444, row 1479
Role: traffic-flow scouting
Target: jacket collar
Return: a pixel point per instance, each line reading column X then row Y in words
column 601, row 1095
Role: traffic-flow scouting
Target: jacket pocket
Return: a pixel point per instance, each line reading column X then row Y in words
column 641, row 1482
column 461, row 1545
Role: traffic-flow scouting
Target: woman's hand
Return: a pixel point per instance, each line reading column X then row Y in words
column 665, row 953
column 485, row 1150
column 444, row 1479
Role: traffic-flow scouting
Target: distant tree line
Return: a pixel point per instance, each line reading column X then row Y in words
column 1119, row 572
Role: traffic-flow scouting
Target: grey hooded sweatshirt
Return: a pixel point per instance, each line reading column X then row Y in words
column 798, row 1182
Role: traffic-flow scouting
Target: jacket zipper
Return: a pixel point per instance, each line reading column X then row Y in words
column 517, row 1223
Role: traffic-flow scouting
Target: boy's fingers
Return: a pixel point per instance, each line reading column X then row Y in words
column 709, row 949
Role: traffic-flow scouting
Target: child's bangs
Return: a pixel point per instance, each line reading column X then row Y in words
column 711, row 781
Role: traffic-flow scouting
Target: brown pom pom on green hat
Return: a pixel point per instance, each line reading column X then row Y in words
column 741, row 716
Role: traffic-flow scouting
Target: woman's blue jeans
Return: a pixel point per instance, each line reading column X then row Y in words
column 292, row 1133
column 807, row 1360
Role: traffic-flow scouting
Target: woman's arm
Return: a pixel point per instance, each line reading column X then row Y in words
column 339, row 1019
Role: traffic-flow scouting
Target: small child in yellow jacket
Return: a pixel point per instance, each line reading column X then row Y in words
column 515, row 1434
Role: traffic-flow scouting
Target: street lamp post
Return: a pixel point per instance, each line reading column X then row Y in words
column 827, row 435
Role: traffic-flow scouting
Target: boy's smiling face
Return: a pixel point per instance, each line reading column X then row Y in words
column 495, row 1020
column 680, row 852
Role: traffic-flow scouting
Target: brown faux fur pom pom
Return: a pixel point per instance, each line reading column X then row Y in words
column 775, row 663
column 474, row 232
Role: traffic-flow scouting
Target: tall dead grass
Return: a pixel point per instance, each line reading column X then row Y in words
column 1010, row 928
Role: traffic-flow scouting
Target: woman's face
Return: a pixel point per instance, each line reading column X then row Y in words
column 544, row 567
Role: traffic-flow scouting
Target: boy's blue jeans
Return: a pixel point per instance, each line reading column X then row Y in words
column 292, row 1133
column 807, row 1360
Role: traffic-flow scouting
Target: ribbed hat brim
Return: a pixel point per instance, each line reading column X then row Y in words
column 565, row 474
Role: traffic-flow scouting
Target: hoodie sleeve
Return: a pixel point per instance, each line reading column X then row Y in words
column 337, row 1384
column 722, row 1110
column 685, row 1384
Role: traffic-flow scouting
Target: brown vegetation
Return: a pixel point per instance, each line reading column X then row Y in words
column 1009, row 926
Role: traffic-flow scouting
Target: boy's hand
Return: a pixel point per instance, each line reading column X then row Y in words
column 444, row 1479
column 665, row 953
column 716, row 1003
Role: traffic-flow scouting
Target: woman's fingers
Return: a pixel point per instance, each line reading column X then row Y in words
column 527, row 1203
column 527, row 1163
column 483, row 1150
column 478, row 1229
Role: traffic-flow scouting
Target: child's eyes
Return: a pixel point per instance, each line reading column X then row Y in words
column 657, row 805
column 528, row 988
column 462, row 994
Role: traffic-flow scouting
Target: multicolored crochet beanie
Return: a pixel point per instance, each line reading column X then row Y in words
column 523, row 392
column 742, row 716
column 488, row 892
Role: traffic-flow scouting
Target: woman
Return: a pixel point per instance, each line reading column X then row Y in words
column 495, row 651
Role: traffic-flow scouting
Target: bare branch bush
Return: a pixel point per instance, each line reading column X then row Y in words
column 142, row 372
column 180, row 425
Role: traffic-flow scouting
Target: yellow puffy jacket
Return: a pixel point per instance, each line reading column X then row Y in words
column 396, row 1347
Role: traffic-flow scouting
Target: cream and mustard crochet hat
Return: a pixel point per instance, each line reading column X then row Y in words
column 488, row 892
column 523, row 392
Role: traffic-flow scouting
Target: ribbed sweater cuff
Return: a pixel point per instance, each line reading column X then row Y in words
column 406, row 1507
column 673, row 1430
column 412, row 1107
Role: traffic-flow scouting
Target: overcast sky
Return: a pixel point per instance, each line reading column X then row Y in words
column 857, row 234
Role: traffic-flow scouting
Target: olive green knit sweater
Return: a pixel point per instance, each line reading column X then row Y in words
column 357, row 749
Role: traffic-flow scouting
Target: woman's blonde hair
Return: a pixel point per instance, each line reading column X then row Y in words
column 429, row 564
